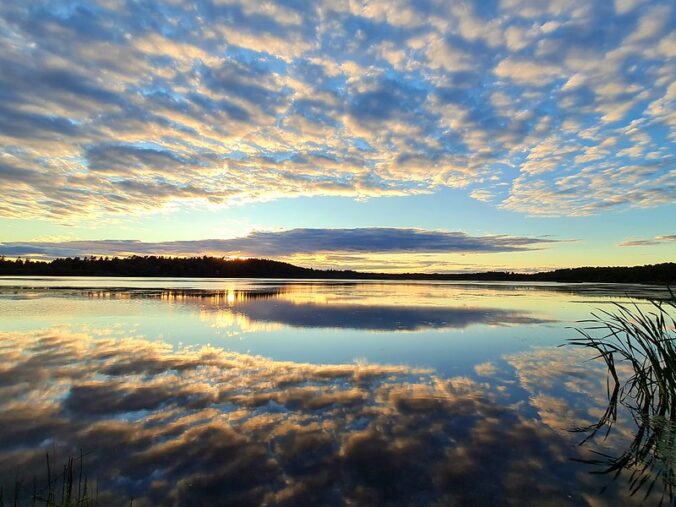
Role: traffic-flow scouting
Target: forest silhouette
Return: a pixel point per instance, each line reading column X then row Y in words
column 215, row 267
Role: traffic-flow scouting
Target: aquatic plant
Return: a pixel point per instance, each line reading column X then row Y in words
column 70, row 488
column 643, row 340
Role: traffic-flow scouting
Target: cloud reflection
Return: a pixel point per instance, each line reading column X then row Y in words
column 568, row 392
column 206, row 426
column 380, row 317
column 286, row 305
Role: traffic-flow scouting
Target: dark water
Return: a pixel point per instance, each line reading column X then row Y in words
column 249, row 392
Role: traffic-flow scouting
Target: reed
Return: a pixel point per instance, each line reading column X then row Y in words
column 644, row 340
column 70, row 488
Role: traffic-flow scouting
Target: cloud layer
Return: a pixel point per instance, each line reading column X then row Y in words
column 289, row 242
column 657, row 240
column 554, row 108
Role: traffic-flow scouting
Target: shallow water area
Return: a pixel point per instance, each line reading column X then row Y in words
column 196, row 391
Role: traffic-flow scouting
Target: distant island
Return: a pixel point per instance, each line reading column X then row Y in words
column 214, row 267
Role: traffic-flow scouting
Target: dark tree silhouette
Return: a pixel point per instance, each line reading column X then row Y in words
column 214, row 267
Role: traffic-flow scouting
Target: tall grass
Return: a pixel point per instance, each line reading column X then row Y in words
column 70, row 488
column 645, row 341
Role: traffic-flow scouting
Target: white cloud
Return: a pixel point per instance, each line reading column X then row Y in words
column 575, row 81
column 651, row 24
column 626, row 6
column 665, row 239
column 481, row 194
column 245, row 102
column 528, row 72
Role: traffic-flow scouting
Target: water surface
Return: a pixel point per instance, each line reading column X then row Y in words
column 196, row 391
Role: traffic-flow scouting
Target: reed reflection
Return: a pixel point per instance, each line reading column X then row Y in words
column 627, row 457
column 639, row 351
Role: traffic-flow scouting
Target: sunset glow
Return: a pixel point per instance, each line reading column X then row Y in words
column 305, row 131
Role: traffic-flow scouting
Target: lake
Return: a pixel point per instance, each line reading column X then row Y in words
column 283, row 392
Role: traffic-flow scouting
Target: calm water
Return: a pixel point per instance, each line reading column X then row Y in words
column 199, row 391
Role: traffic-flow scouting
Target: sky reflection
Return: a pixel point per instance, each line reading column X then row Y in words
column 353, row 394
column 198, row 426
column 455, row 325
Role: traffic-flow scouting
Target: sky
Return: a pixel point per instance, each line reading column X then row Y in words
column 416, row 135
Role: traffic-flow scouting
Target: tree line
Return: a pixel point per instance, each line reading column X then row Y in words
column 215, row 267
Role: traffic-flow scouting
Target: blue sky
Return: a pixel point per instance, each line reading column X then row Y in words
column 546, row 122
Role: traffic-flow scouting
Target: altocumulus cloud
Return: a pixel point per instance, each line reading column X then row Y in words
column 121, row 107
column 289, row 242
column 657, row 240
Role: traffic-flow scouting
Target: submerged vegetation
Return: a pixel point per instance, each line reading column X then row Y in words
column 639, row 349
column 218, row 267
